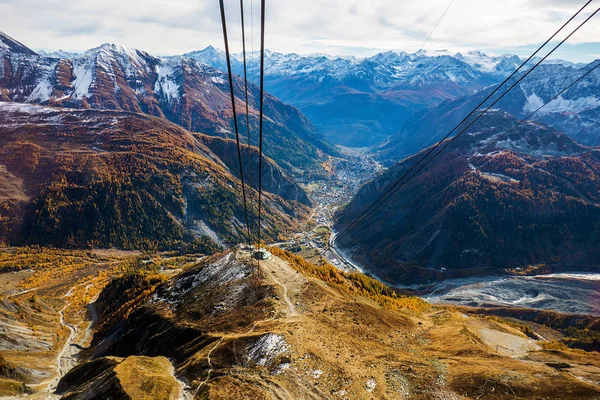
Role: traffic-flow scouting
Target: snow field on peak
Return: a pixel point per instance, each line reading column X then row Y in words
column 561, row 105
column 164, row 83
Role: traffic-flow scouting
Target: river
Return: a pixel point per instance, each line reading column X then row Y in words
column 577, row 293
column 569, row 292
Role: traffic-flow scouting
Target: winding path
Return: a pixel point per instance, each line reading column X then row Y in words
column 292, row 308
column 210, row 370
column 65, row 359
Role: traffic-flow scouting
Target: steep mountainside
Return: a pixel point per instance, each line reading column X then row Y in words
column 103, row 178
column 576, row 112
column 495, row 199
column 193, row 95
column 274, row 179
column 343, row 95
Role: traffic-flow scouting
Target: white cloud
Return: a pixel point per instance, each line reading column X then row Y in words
column 304, row 26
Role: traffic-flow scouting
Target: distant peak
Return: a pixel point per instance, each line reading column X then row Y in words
column 117, row 47
column 103, row 46
column 114, row 48
column 212, row 49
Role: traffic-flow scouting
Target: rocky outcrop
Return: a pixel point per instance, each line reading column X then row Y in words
column 219, row 294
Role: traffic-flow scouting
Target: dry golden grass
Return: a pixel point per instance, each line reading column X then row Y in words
column 147, row 378
column 354, row 282
column 344, row 331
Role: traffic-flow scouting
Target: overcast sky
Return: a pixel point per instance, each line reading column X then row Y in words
column 359, row 27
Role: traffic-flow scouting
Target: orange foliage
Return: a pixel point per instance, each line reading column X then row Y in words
column 354, row 282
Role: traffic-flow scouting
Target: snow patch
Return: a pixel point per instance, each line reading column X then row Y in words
column 533, row 103
column 561, row 105
column 25, row 108
column 83, row 81
column 280, row 368
column 220, row 272
column 451, row 76
column 41, row 93
column 267, row 348
column 371, row 385
column 165, row 84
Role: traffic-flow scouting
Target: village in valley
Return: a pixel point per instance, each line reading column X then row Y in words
column 330, row 194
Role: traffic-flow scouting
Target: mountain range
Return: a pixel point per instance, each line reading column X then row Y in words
column 385, row 100
column 576, row 112
column 501, row 196
column 353, row 101
column 401, row 102
column 141, row 150
column 360, row 101
column 190, row 94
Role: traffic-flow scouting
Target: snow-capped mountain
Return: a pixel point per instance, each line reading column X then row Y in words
column 576, row 112
column 216, row 59
column 500, row 65
column 21, row 69
column 185, row 91
column 8, row 44
column 394, row 67
column 362, row 101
